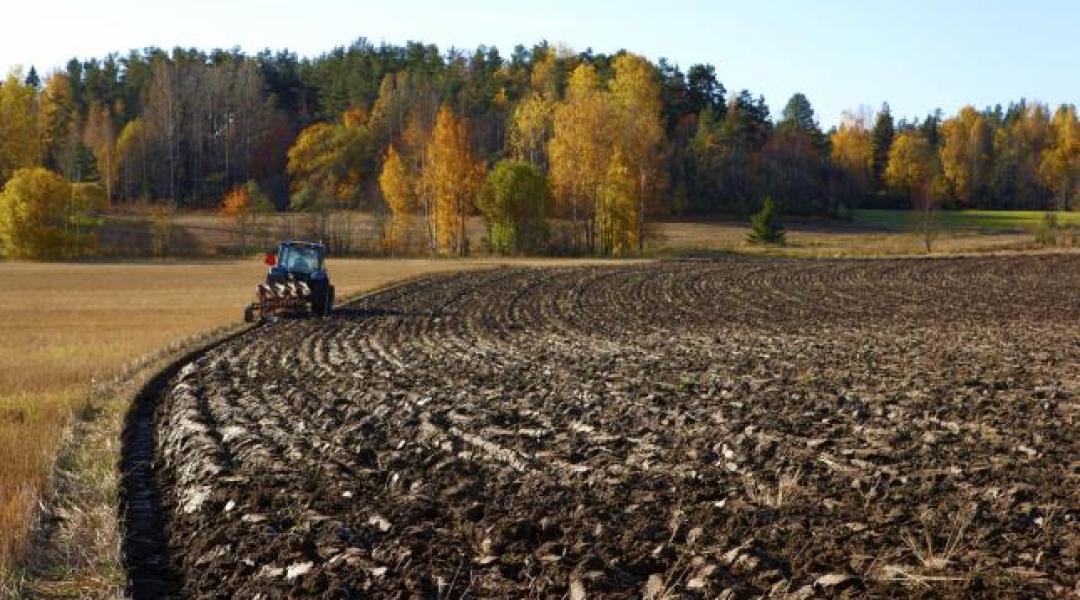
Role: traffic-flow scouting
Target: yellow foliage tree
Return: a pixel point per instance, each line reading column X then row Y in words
column 329, row 163
column 530, row 128
column 913, row 169
column 20, row 139
column 452, row 176
column 580, row 150
column 912, row 165
column 1059, row 168
column 42, row 215
column 617, row 207
column 399, row 189
column 967, row 142
column 852, row 149
column 639, row 134
column 544, row 79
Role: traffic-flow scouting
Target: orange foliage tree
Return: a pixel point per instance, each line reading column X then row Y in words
column 398, row 186
column 243, row 204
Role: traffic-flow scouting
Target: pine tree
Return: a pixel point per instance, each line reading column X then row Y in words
column 799, row 113
column 881, row 142
column 33, row 79
column 765, row 227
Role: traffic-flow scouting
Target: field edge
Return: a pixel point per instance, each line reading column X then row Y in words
column 76, row 545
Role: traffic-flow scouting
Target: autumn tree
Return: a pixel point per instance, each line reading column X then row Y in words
column 1019, row 142
column 99, row 135
column 243, row 204
column 414, row 143
column 133, row 160
column 60, row 126
column 515, row 204
column 188, row 125
column 530, row 129
column 42, row 215
column 617, row 217
column 914, row 170
column 639, row 134
column 329, row 163
column 453, row 176
column 330, row 166
column 851, row 151
column 20, row 145
column 967, row 143
column 580, row 151
column 1060, row 165
column 532, row 118
column 545, row 76
column 398, row 185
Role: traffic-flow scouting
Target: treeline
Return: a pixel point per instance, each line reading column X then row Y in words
column 597, row 143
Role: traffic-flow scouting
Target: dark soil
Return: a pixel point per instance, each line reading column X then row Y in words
column 696, row 429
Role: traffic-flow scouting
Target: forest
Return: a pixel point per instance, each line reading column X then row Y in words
column 556, row 149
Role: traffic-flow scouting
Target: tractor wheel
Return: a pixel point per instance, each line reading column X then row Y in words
column 330, row 300
column 319, row 297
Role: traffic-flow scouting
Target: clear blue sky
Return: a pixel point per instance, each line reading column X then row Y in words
column 917, row 55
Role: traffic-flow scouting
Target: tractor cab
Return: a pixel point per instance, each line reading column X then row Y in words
column 303, row 261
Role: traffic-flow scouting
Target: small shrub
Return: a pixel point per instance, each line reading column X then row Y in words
column 765, row 227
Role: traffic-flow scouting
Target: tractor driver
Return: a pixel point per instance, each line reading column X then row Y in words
column 303, row 261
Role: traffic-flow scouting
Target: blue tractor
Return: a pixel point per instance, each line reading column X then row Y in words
column 296, row 284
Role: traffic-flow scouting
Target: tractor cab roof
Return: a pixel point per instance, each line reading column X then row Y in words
column 317, row 245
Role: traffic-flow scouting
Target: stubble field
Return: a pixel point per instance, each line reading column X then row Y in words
column 692, row 429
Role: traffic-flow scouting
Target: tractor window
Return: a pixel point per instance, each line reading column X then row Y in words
column 297, row 259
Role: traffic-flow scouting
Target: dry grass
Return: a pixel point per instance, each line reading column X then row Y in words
column 827, row 240
column 70, row 324
column 31, row 427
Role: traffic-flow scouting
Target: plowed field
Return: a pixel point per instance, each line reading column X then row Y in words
column 694, row 429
